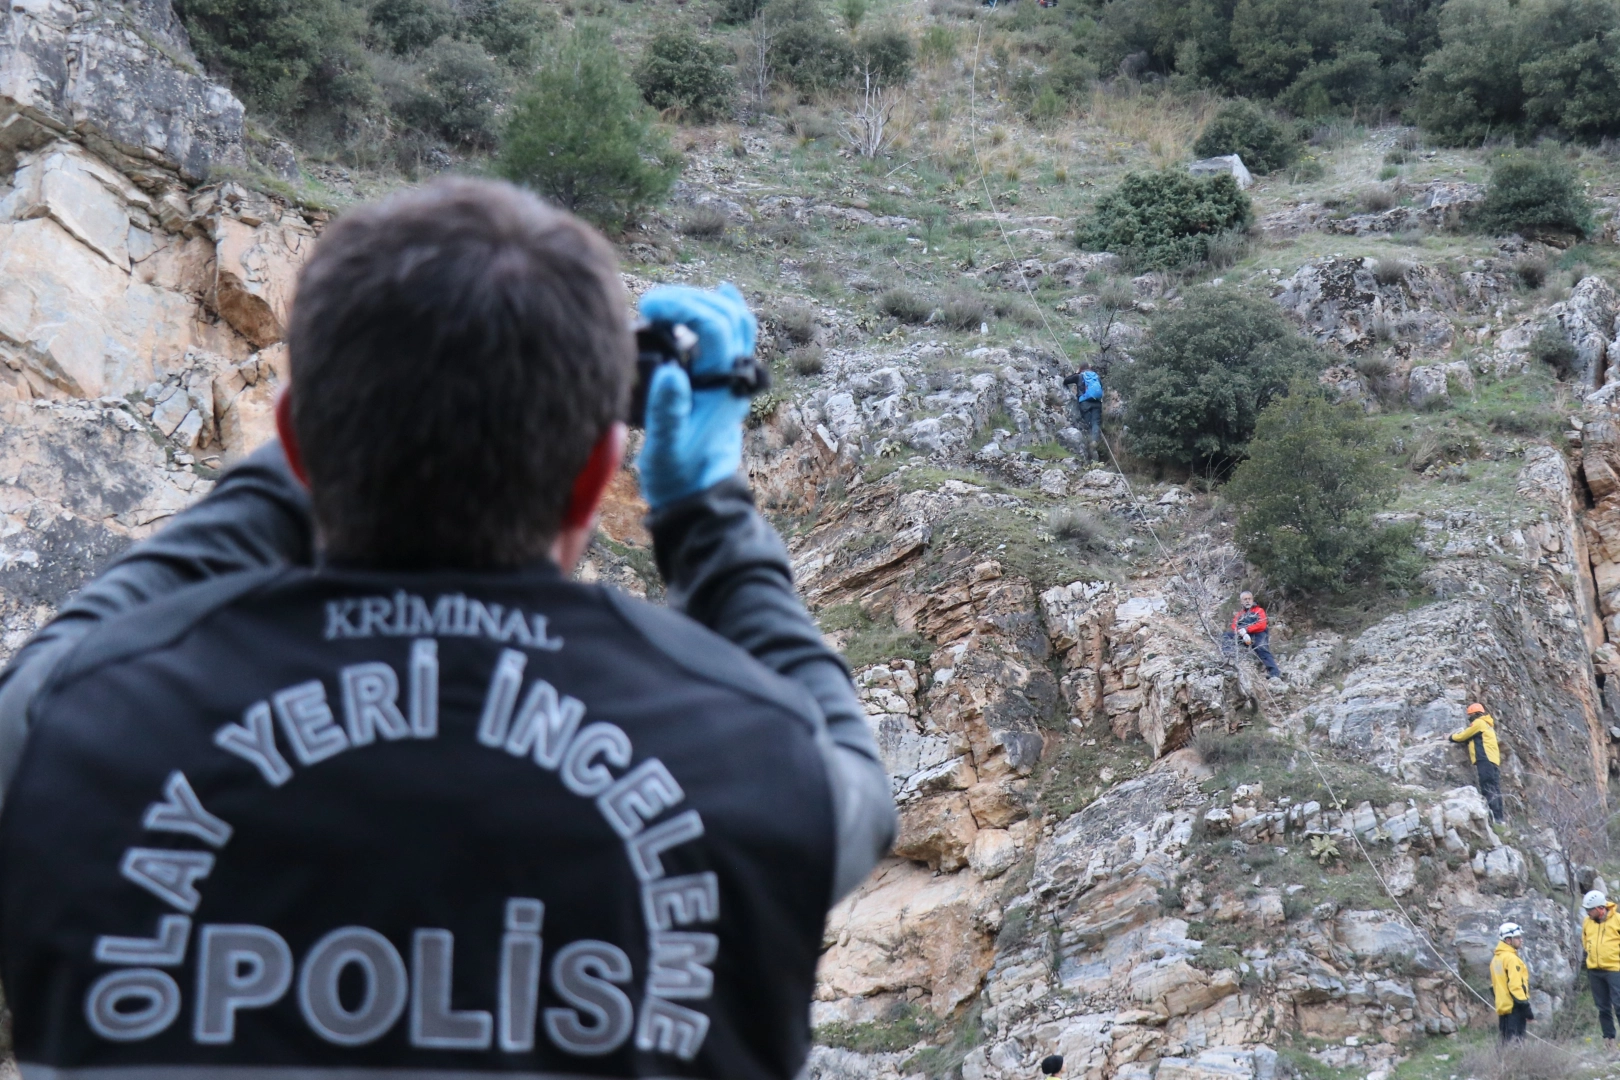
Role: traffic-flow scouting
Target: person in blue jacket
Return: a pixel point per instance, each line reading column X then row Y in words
column 1088, row 396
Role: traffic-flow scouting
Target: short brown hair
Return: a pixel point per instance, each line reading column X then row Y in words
column 456, row 351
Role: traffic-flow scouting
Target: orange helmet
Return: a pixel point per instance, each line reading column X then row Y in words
column 1475, row 709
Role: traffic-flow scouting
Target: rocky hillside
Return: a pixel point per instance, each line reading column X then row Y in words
column 1117, row 844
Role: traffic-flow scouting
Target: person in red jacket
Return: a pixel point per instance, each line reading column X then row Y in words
column 1249, row 627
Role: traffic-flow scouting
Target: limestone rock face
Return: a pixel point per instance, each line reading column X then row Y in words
column 1587, row 320
column 78, row 482
column 115, row 72
column 103, row 297
column 907, row 929
column 1344, row 303
column 140, row 314
column 258, row 251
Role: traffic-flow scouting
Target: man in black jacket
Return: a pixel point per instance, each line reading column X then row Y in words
column 341, row 771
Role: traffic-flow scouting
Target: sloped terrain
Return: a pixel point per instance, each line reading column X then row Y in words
column 1118, row 843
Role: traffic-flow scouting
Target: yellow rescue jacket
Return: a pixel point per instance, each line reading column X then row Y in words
column 1601, row 940
column 1481, row 733
column 1509, row 978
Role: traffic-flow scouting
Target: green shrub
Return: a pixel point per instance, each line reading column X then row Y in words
column 809, row 55
column 904, row 305
column 1198, row 384
column 1243, row 128
column 512, row 31
column 1327, row 56
column 409, row 26
column 581, row 135
column 283, row 58
column 1520, row 66
column 1535, row 195
column 1307, row 495
column 888, row 54
column 1165, row 219
column 1551, row 347
column 938, row 43
column 735, row 12
column 678, row 71
column 459, row 90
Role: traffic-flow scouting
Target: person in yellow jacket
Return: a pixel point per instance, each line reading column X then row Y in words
column 1511, row 981
column 1600, row 941
column 1480, row 735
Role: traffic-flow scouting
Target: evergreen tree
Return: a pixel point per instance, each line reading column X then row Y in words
column 582, row 137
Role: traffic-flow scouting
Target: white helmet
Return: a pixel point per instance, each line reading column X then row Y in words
column 1510, row 930
column 1594, row 899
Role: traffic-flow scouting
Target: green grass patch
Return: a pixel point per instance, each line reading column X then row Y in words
column 1440, row 1057
column 903, row 1027
column 869, row 641
column 1298, row 1063
column 1050, row 451
column 1018, row 538
column 943, row 1061
column 639, row 559
column 1253, row 757
column 1070, row 780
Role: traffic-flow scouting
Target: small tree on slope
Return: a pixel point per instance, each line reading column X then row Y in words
column 582, row 137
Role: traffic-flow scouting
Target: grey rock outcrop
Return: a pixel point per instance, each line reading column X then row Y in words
column 1226, row 165
column 118, row 74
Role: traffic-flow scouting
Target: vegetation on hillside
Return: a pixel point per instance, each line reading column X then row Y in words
column 1197, row 387
column 581, row 136
column 1165, row 220
column 1307, row 493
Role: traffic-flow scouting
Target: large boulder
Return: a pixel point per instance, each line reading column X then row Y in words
column 1225, row 165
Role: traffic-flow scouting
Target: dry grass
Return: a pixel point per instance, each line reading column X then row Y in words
column 796, row 323
column 1164, row 124
column 1077, row 524
column 1525, row 1061
column 808, row 359
column 705, row 221
column 1375, row 200
column 965, row 311
column 1391, row 271
column 904, row 305
column 1531, row 270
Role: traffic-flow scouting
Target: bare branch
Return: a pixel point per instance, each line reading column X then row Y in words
column 866, row 126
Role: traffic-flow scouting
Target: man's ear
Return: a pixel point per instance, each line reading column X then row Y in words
column 591, row 483
column 289, row 441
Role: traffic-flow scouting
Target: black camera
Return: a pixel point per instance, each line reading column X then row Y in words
column 659, row 343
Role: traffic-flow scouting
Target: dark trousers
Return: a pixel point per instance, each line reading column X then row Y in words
column 1091, row 422
column 1512, row 1026
column 1606, row 996
column 1257, row 645
column 1490, row 786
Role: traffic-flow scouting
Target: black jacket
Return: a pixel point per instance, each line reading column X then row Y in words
column 274, row 815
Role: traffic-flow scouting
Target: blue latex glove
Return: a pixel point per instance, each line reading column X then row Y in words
column 694, row 440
